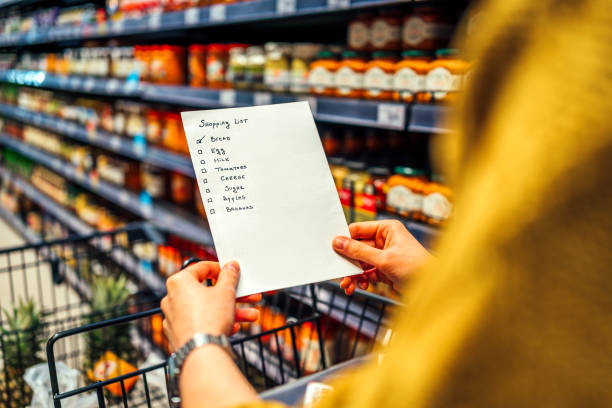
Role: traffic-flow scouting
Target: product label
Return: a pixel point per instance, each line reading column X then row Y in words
column 321, row 79
column 437, row 206
column 299, row 78
column 383, row 33
column 403, row 199
column 376, row 80
column 276, row 79
column 215, row 70
column 358, row 35
column 347, row 80
column 440, row 81
column 416, row 30
column 408, row 82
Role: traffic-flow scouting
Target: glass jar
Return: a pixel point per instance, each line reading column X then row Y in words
column 351, row 195
column 348, row 78
column 256, row 61
column 216, row 65
column 426, row 29
column 385, row 32
column 174, row 135
column 197, row 65
column 303, row 54
column 153, row 181
column 237, row 66
column 181, row 188
column 276, row 70
column 359, row 32
column 338, row 170
column 405, row 192
column 445, row 76
column 322, row 72
column 378, row 77
column 437, row 205
column 409, row 76
column 154, row 127
column 378, row 180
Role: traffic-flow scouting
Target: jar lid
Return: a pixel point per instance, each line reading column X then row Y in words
column 384, row 55
column 447, row 51
column 413, row 53
column 217, row 47
column 325, row 54
column 352, row 55
column 197, row 47
column 409, row 171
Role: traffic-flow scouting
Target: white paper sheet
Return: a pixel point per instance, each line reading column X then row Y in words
column 269, row 195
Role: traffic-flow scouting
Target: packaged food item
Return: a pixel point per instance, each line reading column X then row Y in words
column 237, row 66
column 322, row 72
column 338, row 171
column 197, row 65
column 216, row 65
column 276, row 70
column 377, row 186
column 445, row 76
column 426, row 29
column 174, row 135
column 181, row 188
column 378, row 77
column 355, row 203
column 359, row 32
column 437, row 205
column 385, row 31
column 153, row 181
column 155, row 127
column 409, row 76
column 348, row 78
column 331, row 140
column 110, row 366
column 119, row 172
column 303, row 54
column 405, row 192
column 256, row 61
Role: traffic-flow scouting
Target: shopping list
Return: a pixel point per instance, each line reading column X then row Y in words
column 268, row 193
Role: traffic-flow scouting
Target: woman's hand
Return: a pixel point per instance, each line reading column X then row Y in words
column 190, row 307
column 386, row 250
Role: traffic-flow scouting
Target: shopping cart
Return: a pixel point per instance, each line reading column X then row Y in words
column 301, row 331
column 50, row 286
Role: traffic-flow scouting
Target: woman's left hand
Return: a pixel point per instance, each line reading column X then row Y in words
column 190, row 307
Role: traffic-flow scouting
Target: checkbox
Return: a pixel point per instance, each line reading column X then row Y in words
column 208, row 191
column 202, row 162
column 212, row 211
column 205, row 181
column 199, row 151
column 209, row 200
column 203, row 170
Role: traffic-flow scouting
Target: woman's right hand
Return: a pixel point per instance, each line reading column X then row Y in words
column 386, row 250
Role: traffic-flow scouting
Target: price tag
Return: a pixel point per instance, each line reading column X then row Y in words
column 63, row 81
column 217, row 12
column 89, row 84
column 71, row 129
column 111, row 86
column 37, row 119
column 75, row 82
column 61, row 126
column 117, row 26
column 312, row 101
column 115, row 143
column 262, row 98
column 285, row 6
column 227, row 97
column 192, row 16
column 338, row 4
column 391, row 115
column 155, row 20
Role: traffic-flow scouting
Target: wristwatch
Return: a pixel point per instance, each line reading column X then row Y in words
column 175, row 362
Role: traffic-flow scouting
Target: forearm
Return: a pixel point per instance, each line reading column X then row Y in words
column 209, row 378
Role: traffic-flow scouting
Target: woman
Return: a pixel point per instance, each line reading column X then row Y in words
column 516, row 309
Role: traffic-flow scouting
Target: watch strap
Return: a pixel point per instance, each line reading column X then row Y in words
column 198, row 340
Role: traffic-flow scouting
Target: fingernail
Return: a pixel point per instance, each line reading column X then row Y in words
column 340, row 242
column 232, row 265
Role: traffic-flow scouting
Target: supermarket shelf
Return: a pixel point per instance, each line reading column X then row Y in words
column 18, row 226
column 166, row 218
column 245, row 12
column 119, row 255
column 102, row 139
column 428, row 118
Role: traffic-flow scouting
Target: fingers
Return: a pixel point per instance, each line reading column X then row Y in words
column 247, row 314
column 229, row 275
column 365, row 229
column 202, row 270
column 250, row 299
column 356, row 250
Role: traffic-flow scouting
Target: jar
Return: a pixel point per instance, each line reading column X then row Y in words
column 426, row 29
column 409, row 77
column 216, row 65
column 174, row 135
column 303, row 54
column 154, row 127
column 378, row 77
column 181, row 188
column 322, row 72
column 437, row 206
column 385, row 32
column 445, row 76
column 405, row 192
column 276, row 69
column 351, row 195
column 332, row 143
column 359, row 32
column 156, row 66
column 237, row 66
column 378, row 180
column 338, row 171
column 256, row 61
column 348, row 79
column 197, row 65
column 153, row 181
column 173, row 63
column 353, row 144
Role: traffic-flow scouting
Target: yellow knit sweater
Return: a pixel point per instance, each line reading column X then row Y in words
column 518, row 310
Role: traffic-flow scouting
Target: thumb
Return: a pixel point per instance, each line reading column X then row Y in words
column 357, row 250
column 229, row 275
